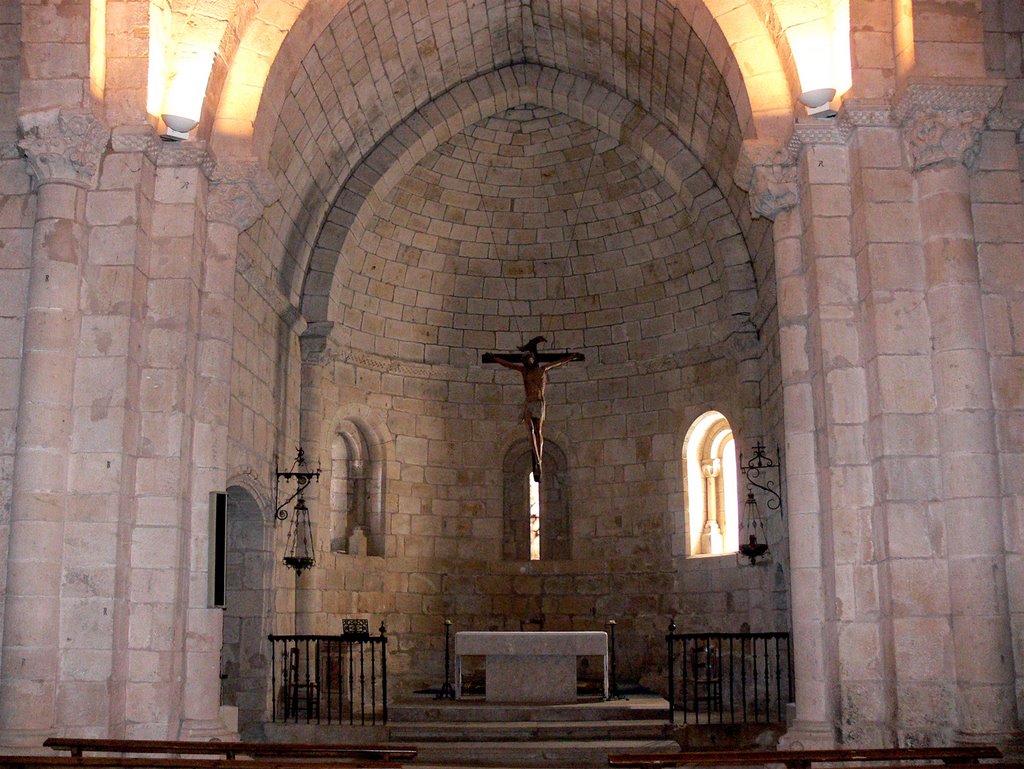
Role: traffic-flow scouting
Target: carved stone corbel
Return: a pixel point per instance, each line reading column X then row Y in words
column 239, row 191
column 318, row 344
column 64, row 146
column 767, row 171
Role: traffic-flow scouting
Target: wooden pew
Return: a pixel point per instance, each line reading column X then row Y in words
column 284, row 750
column 803, row 759
column 186, row 762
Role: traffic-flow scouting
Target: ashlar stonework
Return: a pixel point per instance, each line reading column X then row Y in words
column 377, row 192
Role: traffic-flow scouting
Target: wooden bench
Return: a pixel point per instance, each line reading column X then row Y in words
column 803, row 759
column 284, row 750
column 190, row 762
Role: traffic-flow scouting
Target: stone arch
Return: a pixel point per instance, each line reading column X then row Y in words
column 364, row 437
column 711, row 506
column 555, row 521
column 271, row 47
column 245, row 654
column 357, row 490
column 371, row 181
column 510, row 437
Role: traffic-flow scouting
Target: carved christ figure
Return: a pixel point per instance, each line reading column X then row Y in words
column 534, row 367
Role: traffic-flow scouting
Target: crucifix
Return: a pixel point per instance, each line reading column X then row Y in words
column 533, row 366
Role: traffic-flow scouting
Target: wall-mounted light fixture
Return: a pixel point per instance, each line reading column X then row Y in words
column 299, row 552
column 186, row 76
column 753, row 524
column 818, row 102
column 759, row 471
column 177, row 127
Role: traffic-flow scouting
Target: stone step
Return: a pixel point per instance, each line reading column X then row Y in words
column 447, row 711
column 581, row 753
column 528, row 731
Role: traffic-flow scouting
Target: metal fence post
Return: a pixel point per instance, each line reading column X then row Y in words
column 671, row 672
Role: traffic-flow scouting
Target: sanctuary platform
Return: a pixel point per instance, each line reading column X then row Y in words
column 475, row 732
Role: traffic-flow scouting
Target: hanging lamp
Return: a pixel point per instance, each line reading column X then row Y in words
column 756, row 545
column 299, row 553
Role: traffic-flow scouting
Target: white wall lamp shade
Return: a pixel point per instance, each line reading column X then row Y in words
column 178, row 127
column 818, row 101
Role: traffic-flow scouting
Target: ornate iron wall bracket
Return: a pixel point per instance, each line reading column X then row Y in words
column 758, row 472
column 301, row 477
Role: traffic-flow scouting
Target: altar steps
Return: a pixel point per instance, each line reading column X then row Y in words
column 468, row 733
column 528, row 731
column 428, row 709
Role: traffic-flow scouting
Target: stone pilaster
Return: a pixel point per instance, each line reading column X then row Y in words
column 237, row 193
column 941, row 127
column 64, row 150
column 319, row 348
column 769, row 172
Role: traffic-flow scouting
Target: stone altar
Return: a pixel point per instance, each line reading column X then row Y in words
column 530, row 667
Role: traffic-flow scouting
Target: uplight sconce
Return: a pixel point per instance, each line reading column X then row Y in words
column 818, row 102
column 177, row 127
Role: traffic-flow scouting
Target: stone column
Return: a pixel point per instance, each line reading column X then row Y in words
column 239, row 190
column 64, row 151
column 942, row 129
column 769, row 172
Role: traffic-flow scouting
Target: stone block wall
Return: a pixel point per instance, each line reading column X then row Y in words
column 443, row 512
column 10, row 35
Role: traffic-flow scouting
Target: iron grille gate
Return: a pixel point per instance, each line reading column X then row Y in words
column 729, row 677
column 330, row 679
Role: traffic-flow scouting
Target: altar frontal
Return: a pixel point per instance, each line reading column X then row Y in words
column 530, row 667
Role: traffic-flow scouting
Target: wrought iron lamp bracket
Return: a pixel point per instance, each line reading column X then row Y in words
column 301, row 477
column 757, row 471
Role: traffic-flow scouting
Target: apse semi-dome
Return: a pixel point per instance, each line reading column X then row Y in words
column 529, row 221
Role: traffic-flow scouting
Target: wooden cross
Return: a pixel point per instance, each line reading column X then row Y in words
column 518, row 357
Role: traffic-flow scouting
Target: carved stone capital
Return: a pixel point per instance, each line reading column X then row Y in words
column 239, row 191
column 943, row 123
column 768, row 172
column 934, row 137
column 64, row 146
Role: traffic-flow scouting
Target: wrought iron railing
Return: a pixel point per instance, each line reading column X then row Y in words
column 729, row 677
column 339, row 679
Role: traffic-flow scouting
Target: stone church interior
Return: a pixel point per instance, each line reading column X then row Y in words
column 270, row 454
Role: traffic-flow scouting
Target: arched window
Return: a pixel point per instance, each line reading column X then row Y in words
column 536, row 515
column 357, row 480
column 712, row 504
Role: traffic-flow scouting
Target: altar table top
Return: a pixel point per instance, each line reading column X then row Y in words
column 532, row 643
